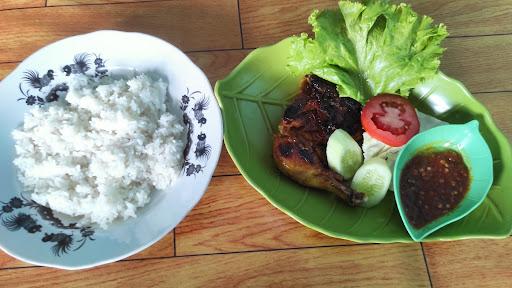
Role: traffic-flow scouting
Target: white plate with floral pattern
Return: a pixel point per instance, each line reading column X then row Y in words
column 32, row 232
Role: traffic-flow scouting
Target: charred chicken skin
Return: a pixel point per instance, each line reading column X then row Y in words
column 299, row 148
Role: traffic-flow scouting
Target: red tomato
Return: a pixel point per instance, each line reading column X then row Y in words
column 390, row 119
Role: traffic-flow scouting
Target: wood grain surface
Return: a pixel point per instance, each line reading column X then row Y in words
column 14, row 4
column 88, row 2
column 234, row 237
column 498, row 105
column 398, row 265
column 162, row 248
column 480, row 62
column 218, row 64
column 470, row 263
column 267, row 21
column 225, row 165
column 233, row 217
column 6, row 68
column 190, row 25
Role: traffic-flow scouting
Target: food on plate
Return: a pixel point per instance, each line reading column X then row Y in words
column 432, row 184
column 100, row 152
column 299, row 147
column 390, row 119
column 375, row 148
column 369, row 49
column 343, row 154
column 373, row 180
column 374, row 53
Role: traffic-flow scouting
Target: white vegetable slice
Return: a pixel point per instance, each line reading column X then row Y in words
column 372, row 179
column 343, row 154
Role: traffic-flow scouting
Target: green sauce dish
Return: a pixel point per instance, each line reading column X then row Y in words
column 469, row 143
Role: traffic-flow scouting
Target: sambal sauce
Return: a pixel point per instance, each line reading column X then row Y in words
column 432, row 184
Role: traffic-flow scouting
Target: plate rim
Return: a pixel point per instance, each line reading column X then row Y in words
column 214, row 159
column 359, row 239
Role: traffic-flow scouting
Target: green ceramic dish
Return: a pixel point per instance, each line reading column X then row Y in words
column 253, row 97
column 465, row 139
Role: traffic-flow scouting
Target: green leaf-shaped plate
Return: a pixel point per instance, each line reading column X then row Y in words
column 253, row 98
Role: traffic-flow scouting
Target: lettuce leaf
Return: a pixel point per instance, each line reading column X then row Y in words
column 369, row 48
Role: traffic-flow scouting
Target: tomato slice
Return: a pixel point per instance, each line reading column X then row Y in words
column 390, row 119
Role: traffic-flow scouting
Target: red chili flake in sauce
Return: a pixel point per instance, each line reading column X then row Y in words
column 432, row 184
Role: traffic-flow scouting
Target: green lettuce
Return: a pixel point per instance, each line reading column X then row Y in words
column 369, row 48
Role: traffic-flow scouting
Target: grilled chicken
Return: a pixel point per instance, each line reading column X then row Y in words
column 300, row 144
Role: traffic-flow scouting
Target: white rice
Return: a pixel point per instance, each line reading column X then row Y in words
column 100, row 152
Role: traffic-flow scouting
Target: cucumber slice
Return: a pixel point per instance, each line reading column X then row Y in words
column 343, row 154
column 372, row 179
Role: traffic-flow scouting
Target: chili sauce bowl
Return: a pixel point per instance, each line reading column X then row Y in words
column 465, row 139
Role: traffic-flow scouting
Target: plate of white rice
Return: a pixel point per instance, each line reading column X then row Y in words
column 109, row 139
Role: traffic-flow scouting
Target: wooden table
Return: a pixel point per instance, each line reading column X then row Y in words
column 234, row 237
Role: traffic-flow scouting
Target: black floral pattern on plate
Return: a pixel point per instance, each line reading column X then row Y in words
column 15, row 215
column 194, row 105
column 39, row 88
column 18, row 214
